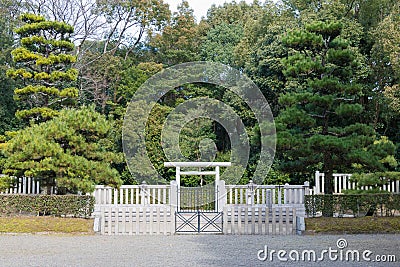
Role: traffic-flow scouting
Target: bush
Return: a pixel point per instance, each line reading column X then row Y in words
column 66, row 205
column 5, row 182
column 354, row 204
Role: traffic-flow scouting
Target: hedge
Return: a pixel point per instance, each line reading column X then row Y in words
column 354, row 204
column 56, row 205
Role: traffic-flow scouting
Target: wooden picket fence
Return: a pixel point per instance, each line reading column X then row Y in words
column 342, row 181
column 160, row 219
column 26, row 186
column 132, row 195
column 259, row 220
column 266, row 194
column 136, row 219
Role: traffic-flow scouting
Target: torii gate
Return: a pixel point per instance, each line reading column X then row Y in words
column 179, row 165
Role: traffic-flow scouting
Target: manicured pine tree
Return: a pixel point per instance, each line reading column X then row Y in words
column 74, row 151
column 320, row 124
column 43, row 63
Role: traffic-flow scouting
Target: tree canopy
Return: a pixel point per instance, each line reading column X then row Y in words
column 44, row 66
column 75, row 151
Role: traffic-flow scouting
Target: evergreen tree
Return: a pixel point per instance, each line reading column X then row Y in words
column 220, row 43
column 320, row 124
column 75, row 151
column 7, row 104
column 179, row 40
column 44, row 66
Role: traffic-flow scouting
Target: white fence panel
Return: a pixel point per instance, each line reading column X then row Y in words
column 240, row 219
column 132, row 195
column 26, row 186
column 266, row 194
column 342, row 182
column 137, row 220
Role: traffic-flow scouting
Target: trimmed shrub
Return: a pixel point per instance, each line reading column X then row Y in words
column 354, row 204
column 55, row 205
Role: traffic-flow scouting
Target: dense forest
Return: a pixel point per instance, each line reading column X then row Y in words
column 330, row 71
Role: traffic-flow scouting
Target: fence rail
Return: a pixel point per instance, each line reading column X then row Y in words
column 259, row 220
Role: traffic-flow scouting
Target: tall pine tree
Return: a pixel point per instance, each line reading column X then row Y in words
column 43, row 63
column 321, row 123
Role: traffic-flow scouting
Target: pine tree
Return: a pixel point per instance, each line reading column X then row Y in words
column 74, row 150
column 44, row 66
column 321, row 122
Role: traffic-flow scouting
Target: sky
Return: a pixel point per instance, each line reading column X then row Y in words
column 200, row 7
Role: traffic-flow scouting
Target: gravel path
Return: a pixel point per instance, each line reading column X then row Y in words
column 181, row 250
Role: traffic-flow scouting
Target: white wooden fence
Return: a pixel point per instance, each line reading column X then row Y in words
column 24, row 185
column 137, row 220
column 247, row 209
column 244, row 219
column 266, row 194
column 342, row 182
column 132, row 195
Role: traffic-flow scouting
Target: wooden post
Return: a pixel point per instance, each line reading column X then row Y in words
column 217, row 193
column 286, row 194
column 173, row 198
column 279, row 195
column 221, row 189
column 178, row 187
column 317, row 184
column 250, row 193
column 144, row 193
column 306, row 191
column 225, row 220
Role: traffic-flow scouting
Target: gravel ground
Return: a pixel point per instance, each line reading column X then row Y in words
column 182, row 250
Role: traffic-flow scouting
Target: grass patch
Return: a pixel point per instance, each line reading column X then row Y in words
column 358, row 225
column 45, row 224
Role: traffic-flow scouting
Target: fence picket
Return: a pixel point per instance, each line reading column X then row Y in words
column 273, row 222
column 253, row 220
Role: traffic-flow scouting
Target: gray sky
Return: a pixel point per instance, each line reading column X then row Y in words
column 200, row 7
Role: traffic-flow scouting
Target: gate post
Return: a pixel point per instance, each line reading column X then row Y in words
column 317, row 183
column 174, row 195
column 250, row 193
column 221, row 196
column 144, row 193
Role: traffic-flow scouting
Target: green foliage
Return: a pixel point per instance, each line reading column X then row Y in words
column 44, row 67
column 220, row 43
column 7, row 104
column 375, row 180
column 36, row 24
column 67, row 205
column 75, row 151
column 232, row 13
column 358, row 205
column 5, row 182
column 179, row 40
column 301, row 40
column 276, row 177
column 324, row 112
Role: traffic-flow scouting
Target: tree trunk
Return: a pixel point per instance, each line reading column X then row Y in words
column 327, row 209
column 48, row 189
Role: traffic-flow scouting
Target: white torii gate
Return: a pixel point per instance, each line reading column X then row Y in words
column 179, row 165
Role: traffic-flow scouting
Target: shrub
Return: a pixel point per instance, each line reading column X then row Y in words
column 65, row 205
column 383, row 204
